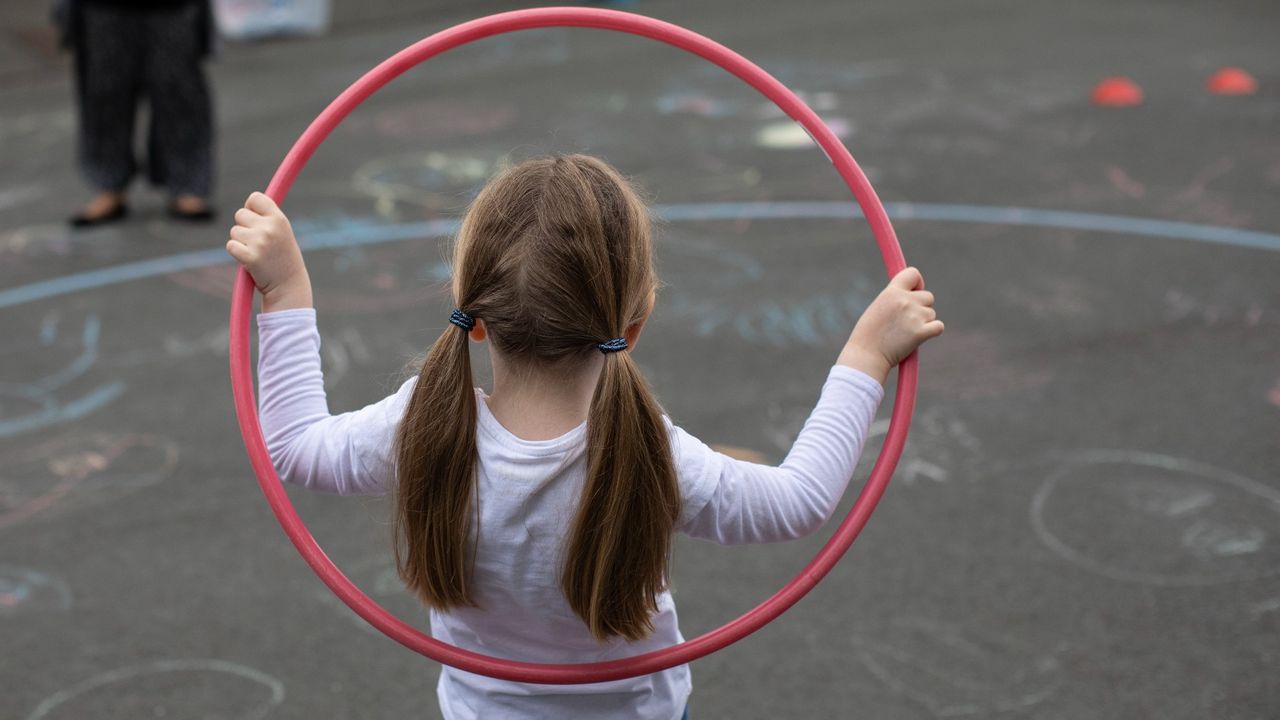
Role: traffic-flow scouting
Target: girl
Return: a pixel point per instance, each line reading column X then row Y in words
column 536, row 521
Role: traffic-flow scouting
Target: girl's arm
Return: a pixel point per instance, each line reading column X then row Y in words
column 348, row 454
column 731, row 501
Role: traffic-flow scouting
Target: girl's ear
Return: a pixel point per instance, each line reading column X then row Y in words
column 478, row 333
column 632, row 333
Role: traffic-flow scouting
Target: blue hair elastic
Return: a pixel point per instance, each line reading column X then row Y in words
column 612, row 346
column 462, row 320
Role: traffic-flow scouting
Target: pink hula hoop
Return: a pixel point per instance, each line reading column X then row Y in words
column 398, row 630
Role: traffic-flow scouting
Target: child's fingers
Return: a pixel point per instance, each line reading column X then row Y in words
column 908, row 279
column 934, row 328
column 242, row 234
column 245, row 216
column 239, row 252
column 923, row 296
column 261, row 204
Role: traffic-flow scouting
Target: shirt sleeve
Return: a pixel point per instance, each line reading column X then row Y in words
column 346, row 454
column 731, row 501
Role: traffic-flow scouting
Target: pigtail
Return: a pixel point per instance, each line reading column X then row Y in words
column 435, row 470
column 619, row 547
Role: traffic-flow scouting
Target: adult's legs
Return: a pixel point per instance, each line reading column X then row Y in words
column 180, row 139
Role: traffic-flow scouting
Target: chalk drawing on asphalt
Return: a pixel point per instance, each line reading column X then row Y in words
column 953, row 670
column 25, row 592
column 29, row 404
column 1157, row 520
column 81, row 469
column 194, row 687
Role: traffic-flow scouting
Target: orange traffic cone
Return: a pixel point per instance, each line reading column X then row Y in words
column 1117, row 92
column 1232, row 81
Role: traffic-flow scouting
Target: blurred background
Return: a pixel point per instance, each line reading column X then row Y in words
column 1085, row 522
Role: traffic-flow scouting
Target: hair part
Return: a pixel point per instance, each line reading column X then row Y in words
column 555, row 255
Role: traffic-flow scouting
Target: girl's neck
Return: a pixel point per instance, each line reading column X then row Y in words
column 542, row 403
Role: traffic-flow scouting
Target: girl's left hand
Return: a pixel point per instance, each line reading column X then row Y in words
column 262, row 241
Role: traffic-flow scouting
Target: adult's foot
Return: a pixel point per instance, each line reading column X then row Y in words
column 190, row 207
column 105, row 207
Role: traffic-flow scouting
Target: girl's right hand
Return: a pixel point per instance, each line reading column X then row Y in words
column 262, row 241
column 897, row 322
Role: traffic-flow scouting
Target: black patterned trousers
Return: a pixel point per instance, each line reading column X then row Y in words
column 123, row 56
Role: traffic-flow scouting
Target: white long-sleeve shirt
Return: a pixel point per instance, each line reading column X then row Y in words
column 527, row 492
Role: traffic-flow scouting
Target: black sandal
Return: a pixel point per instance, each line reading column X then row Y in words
column 81, row 220
column 204, row 214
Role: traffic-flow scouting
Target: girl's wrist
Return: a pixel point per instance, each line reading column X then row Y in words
column 873, row 364
column 288, row 297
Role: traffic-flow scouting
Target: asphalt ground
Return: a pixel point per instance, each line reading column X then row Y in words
column 1086, row 520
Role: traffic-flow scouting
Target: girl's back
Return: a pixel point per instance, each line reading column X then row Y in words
column 528, row 493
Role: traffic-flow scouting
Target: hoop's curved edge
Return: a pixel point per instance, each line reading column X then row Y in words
column 398, row 630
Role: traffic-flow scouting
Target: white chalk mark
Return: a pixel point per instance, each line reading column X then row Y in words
column 790, row 135
column 1259, row 609
column 959, row 432
column 915, row 468
column 1210, row 539
column 1169, row 501
column 954, row 674
column 275, row 687
column 1206, row 539
column 1179, row 305
column 213, row 341
column 941, row 436
column 433, row 179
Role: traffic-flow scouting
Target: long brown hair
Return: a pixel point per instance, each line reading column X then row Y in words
column 554, row 255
